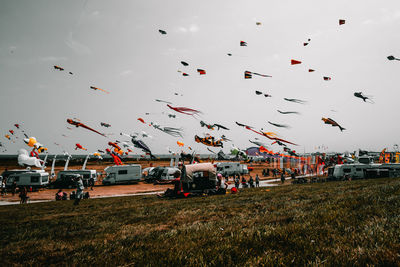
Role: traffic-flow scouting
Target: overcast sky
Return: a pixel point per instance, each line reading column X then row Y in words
column 116, row 46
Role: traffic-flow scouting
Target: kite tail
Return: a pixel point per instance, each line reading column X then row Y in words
column 341, row 128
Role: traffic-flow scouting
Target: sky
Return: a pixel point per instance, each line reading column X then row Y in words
column 116, row 46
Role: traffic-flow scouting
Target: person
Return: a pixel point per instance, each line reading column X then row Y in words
column 91, row 183
column 60, row 195
column 23, row 194
column 282, row 177
column 237, row 182
column 13, row 187
column 251, row 181
column 221, row 185
column 244, row 182
column 79, row 189
column 257, row 181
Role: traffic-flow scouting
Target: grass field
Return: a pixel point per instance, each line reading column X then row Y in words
column 336, row 223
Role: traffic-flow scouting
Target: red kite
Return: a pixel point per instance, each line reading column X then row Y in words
column 96, row 88
column 78, row 146
column 79, row 124
column 295, row 62
column 201, row 72
column 58, row 68
column 311, row 70
column 141, row 120
column 342, row 21
column 327, row 78
column 183, row 110
column 243, row 43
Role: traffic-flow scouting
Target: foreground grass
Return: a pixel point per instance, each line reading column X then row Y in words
column 337, row 223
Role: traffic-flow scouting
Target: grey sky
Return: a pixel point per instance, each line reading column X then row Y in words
column 115, row 45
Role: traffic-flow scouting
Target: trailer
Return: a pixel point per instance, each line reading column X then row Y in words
column 231, row 168
column 33, row 178
column 66, row 179
column 121, row 174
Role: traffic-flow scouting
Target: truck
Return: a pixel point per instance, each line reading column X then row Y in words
column 231, row 168
column 121, row 174
column 33, row 178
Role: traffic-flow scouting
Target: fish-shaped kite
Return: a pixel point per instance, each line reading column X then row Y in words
column 80, row 124
column 333, row 123
column 184, row 110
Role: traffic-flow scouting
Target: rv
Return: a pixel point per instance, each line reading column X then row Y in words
column 34, row 179
column 365, row 168
column 231, row 168
column 119, row 174
column 66, row 179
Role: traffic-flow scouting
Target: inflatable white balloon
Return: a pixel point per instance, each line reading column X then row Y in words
column 25, row 159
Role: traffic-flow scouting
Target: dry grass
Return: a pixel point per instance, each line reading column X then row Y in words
column 338, row 223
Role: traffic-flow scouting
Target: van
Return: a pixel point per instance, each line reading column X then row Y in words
column 35, row 179
column 120, row 174
column 231, row 168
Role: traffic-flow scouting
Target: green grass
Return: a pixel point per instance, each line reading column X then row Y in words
column 336, row 223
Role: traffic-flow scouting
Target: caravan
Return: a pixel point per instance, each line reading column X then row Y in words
column 119, row 174
column 34, row 179
column 231, row 168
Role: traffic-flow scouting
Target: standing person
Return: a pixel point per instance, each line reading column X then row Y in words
column 251, row 181
column 257, row 181
column 282, row 177
column 237, row 182
column 23, row 194
column 91, row 183
column 13, row 187
column 79, row 190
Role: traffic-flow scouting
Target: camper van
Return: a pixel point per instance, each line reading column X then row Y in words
column 66, row 179
column 231, row 168
column 119, row 174
column 35, row 179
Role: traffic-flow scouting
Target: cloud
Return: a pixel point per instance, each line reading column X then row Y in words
column 76, row 46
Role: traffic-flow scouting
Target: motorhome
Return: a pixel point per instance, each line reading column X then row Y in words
column 231, row 168
column 365, row 168
column 33, row 178
column 119, row 174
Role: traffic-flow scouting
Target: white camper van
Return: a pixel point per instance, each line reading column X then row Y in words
column 231, row 168
column 119, row 174
column 86, row 174
column 34, row 178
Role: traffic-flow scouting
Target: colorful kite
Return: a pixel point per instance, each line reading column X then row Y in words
column 243, row 43
column 180, row 144
column 58, row 68
column 79, row 146
column 209, row 141
column 96, row 88
column 105, row 124
column 201, row 71
column 79, row 124
column 249, row 74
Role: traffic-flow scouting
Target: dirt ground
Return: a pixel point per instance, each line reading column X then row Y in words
column 115, row 190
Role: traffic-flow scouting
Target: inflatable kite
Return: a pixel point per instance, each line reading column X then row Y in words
column 333, row 123
column 79, row 124
column 183, row 110
column 209, row 141
column 96, row 88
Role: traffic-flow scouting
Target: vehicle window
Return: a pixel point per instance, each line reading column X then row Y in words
column 346, row 170
column 123, row 172
column 15, row 178
column 358, row 169
column 226, row 167
column 86, row 176
column 34, row 179
column 45, row 178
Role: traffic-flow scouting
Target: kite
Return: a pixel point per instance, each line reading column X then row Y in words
column 141, row 120
column 168, row 130
column 183, row 110
column 258, row 143
column 209, row 126
column 70, row 73
column 140, row 144
column 260, row 93
column 219, row 126
column 116, row 158
column 162, row 31
column 290, row 152
column 243, row 125
column 100, row 151
column 308, row 41
column 279, row 143
column 211, row 151
column 80, row 124
column 162, row 101
column 392, row 58
column 269, row 135
column 333, row 123
column 209, row 141
column 16, row 125
column 114, row 145
column 279, row 125
column 79, row 146
column 224, row 138
column 363, row 97
column 229, row 54
column 11, row 131
column 184, row 63
column 342, row 21
column 311, row 70
column 58, row 68
column 7, row 136
column 105, row 124
column 180, row 144
column 258, row 23
column 295, row 62
column 25, row 159
column 170, row 115
column 326, row 78
column 96, row 88
column 298, row 101
column 201, row 71
column 288, row 112
column 249, row 74
column 243, row 43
